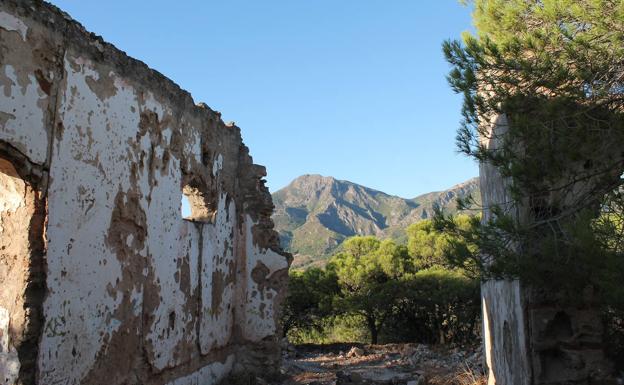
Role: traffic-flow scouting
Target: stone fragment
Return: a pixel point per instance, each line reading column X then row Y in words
column 355, row 352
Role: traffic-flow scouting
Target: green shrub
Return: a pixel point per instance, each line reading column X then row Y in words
column 309, row 300
column 439, row 306
column 372, row 292
column 332, row 329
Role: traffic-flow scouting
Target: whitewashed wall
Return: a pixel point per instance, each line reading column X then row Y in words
column 134, row 291
column 505, row 336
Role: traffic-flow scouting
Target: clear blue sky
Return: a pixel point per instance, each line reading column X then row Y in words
column 354, row 89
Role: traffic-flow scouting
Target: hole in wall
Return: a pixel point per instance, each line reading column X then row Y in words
column 185, row 207
column 195, row 206
column 14, row 258
column 21, row 280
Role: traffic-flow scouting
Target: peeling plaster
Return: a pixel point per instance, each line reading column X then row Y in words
column 208, row 375
column 502, row 305
column 12, row 23
column 217, row 165
column 22, row 106
column 131, row 291
column 79, row 304
column 172, row 330
column 261, row 294
column 218, row 260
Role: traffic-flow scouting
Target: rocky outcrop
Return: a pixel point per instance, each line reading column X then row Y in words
column 102, row 279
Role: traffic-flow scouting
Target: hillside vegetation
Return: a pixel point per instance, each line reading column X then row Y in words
column 377, row 290
column 315, row 214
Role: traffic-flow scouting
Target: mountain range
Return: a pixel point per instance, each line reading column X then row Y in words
column 315, row 213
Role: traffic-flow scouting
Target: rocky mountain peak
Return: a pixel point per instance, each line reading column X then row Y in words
column 315, row 213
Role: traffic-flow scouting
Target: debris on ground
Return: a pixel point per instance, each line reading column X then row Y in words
column 391, row 364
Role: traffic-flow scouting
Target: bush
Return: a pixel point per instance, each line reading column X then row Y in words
column 309, row 300
column 439, row 306
column 332, row 329
column 371, row 291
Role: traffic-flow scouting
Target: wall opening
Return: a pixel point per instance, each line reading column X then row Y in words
column 22, row 217
column 195, row 206
column 185, row 207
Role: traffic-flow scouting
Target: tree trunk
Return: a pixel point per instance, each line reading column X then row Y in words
column 374, row 331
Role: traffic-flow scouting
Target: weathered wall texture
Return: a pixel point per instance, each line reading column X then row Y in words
column 502, row 301
column 529, row 337
column 103, row 281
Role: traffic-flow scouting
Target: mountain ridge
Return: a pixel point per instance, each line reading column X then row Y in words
column 315, row 213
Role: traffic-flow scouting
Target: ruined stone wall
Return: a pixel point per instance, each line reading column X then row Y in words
column 530, row 336
column 103, row 281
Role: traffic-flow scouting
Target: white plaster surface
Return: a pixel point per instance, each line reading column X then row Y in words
column 171, row 254
column 12, row 23
column 504, row 333
column 217, row 165
column 208, row 375
column 22, row 114
column 88, row 169
column 100, row 154
column 259, row 302
column 504, row 327
column 218, row 258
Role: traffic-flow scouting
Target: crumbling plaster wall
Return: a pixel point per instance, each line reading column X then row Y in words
column 133, row 293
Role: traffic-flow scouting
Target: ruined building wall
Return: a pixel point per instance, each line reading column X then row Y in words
column 530, row 336
column 103, row 281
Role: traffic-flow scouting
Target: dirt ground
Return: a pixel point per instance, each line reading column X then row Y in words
column 393, row 364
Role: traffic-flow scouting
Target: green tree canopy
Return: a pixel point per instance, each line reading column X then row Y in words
column 362, row 245
column 550, row 74
column 429, row 246
column 367, row 270
column 554, row 69
column 311, row 294
column 374, row 285
column 438, row 306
